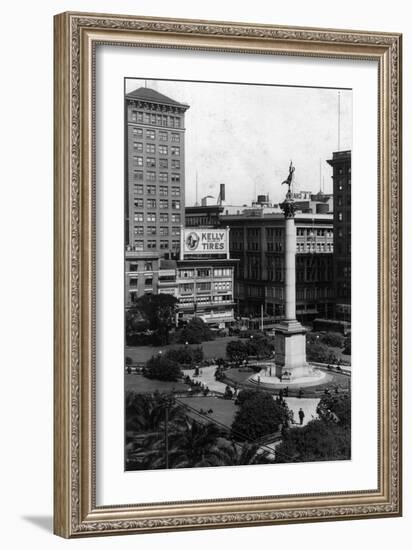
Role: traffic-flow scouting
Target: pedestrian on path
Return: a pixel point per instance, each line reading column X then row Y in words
column 301, row 416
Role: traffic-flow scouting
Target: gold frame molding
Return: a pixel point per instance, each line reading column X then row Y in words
column 75, row 38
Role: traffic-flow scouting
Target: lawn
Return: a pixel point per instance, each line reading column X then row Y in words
column 215, row 348
column 224, row 410
column 141, row 384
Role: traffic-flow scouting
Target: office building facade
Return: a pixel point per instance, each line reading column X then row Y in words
column 341, row 165
column 155, row 160
column 258, row 243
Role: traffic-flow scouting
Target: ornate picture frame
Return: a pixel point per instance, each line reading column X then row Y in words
column 76, row 36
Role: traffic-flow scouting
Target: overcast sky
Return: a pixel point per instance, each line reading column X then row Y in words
column 246, row 135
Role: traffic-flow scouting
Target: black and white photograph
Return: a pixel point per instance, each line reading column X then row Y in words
column 237, row 274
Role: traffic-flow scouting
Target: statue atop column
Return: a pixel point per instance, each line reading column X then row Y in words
column 288, row 205
column 289, row 179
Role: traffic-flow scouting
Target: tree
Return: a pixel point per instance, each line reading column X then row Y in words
column 145, row 419
column 258, row 416
column 160, row 312
column 162, row 368
column 235, row 454
column 192, row 445
column 195, row 332
column 228, row 393
column 260, row 345
column 348, row 345
column 135, row 323
column 237, row 351
column 318, row 440
column 184, row 355
column 244, row 395
column 146, row 412
column 335, row 408
column 319, row 353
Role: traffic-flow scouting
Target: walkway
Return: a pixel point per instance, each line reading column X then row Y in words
column 207, row 378
column 308, row 406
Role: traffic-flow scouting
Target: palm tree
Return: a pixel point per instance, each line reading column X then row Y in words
column 196, row 445
column 191, row 444
column 236, row 454
column 146, row 412
column 145, row 420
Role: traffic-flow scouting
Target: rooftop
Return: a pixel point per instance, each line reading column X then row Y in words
column 150, row 95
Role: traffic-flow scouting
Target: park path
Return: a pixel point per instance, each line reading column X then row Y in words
column 207, row 378
column 308, row 406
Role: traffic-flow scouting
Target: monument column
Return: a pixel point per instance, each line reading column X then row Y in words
column 288, row 208
column 290, row 335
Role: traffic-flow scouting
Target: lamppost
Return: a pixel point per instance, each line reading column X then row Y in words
column 168, row 401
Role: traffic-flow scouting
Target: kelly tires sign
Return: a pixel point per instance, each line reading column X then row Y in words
column 205, row 242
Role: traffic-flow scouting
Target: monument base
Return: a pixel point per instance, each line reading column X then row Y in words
column 290, row 350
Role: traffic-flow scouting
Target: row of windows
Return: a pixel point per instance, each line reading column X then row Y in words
column 151, row 134
column 188, row 288
column 274, row 232
column 151, row 190
column 152, row 244
column 148, row 266
column 148, row 282
column 151, row 162
column 151, row 148
column 341, row 184
column 159, row 120
column 206, row 299
column 340, row 201
column 310, row 232
column 312, row 293
column 139, row 217
column 163, row 203
column 151, row 176
column 205, row 272
column 318, row 247
column 152, row 230
column 151, row 217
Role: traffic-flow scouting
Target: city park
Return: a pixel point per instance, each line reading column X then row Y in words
column 197, row 398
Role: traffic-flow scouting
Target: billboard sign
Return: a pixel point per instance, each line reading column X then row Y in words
column 205, row 242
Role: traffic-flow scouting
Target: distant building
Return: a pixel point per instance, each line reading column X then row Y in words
column 313, row 203
column 341, row 164
column 205, row 290
column 205, row 276
column 258, row 243
column 154, row 189
column 203, row 216
column 146, row 273
column 155, row 186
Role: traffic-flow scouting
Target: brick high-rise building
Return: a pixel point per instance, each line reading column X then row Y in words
column 341, row 164
column 258, row 242
column 155, row 176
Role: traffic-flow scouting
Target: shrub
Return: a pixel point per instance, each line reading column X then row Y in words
column 332, row 339
column 259, row 415
column 347, row 346
column 185, row 355
column 195, row 332
column 336, row 408
column 237, row 351
column 319, row 353
column 162, row 368
column 244, row 395
column 317, row 440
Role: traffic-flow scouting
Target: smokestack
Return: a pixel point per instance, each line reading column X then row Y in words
column 222, row 192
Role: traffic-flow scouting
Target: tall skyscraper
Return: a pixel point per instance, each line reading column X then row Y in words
column 341, row 164
column 155, row 176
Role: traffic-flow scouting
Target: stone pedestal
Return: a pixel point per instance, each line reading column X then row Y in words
column 290, row 350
